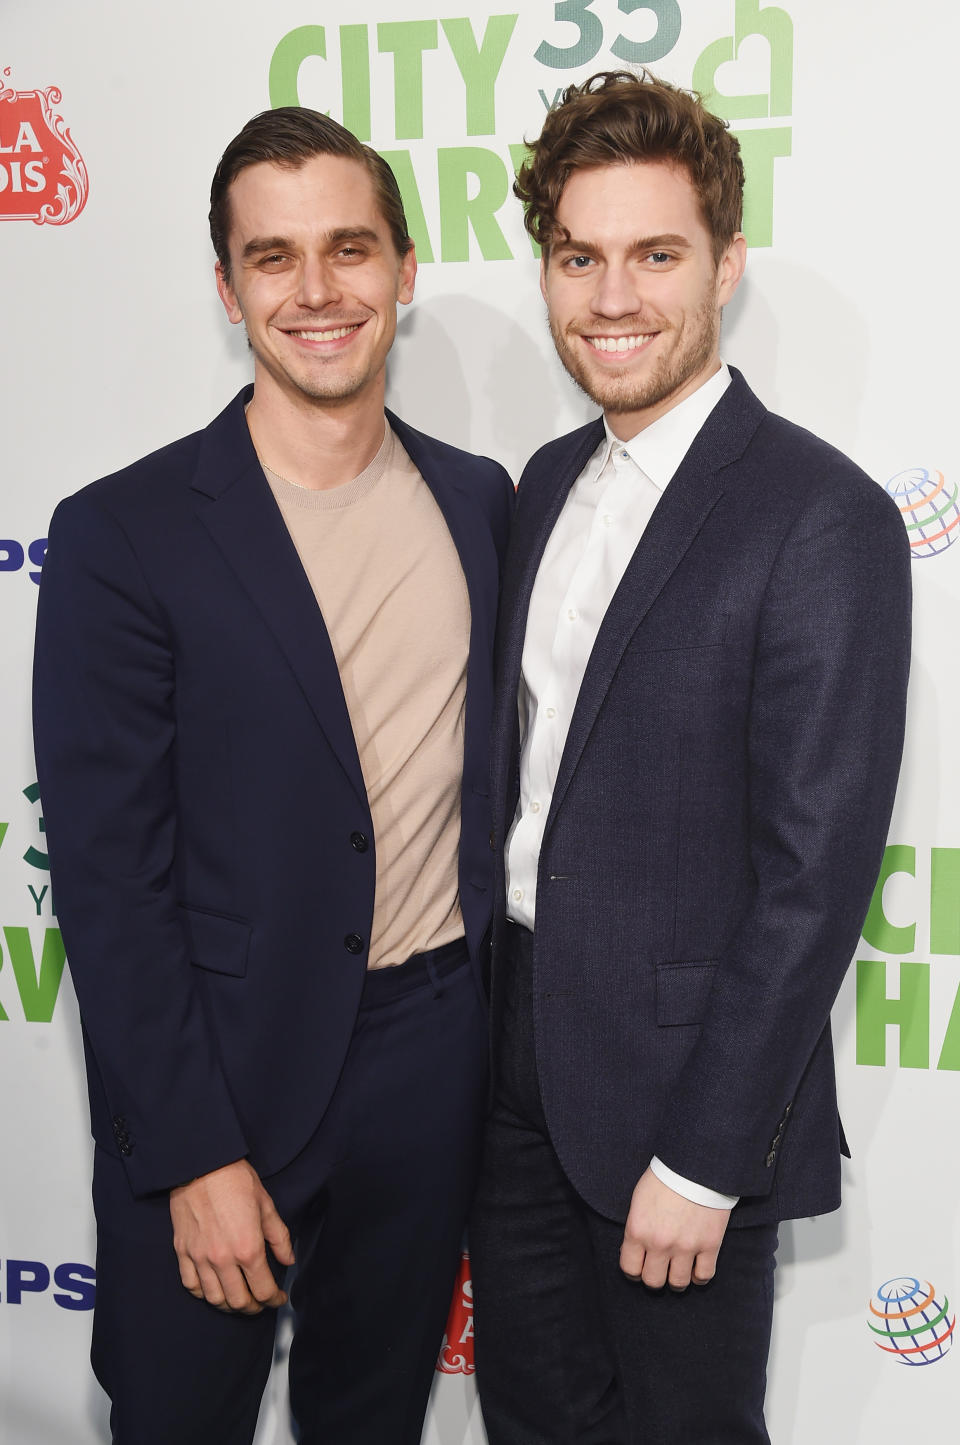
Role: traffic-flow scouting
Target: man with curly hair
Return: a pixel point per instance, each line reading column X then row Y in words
column 703, row 658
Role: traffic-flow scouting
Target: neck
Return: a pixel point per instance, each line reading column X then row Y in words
column 315, row 444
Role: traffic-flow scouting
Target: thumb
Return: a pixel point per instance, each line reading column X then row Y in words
column 275, row 1232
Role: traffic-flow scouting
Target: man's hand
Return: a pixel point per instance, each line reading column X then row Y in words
column 222, row 1223
column 669, row 1239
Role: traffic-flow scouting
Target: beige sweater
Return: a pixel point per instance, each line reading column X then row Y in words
column 387, row 578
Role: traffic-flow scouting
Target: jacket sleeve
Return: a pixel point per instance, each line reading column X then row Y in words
column 104, row 727
column 824, row 745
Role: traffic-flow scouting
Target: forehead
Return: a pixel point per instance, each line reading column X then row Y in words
column 623, row 202
column 325, row 193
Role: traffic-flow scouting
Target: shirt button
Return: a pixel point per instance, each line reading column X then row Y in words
column 534, row 807
column 573, row 614
column 551, row 712
column 625, row 455
column 607, row 520
column 517, row 895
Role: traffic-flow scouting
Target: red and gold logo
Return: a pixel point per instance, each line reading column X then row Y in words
column 42, row 174
column 456, row 1352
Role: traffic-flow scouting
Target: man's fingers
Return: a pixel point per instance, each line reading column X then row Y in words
column 188, row 1275
column 669, row 1239
column 644, row 1265
column 631, row 1259
column 275, row 1232
column 704, row 1268
column 262, row 1285
column 210, row 1286
column 222, row 1224
column 679, row 1274
column 655, row 1267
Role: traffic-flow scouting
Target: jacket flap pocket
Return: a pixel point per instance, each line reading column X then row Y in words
column 215, row 941
column 682, row 991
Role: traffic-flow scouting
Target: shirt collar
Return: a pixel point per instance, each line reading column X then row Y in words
column 659, row 449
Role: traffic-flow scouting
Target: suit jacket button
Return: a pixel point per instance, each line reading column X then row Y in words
column 353, row 943
column 493, row 841
column 359, row 842
column 771, row 1159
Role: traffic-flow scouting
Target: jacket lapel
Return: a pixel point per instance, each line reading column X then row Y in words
column 540, row 498
column 691, row 495
column 236, row 506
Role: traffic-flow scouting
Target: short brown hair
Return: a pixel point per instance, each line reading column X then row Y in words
column 616, row 118
column 288, row 136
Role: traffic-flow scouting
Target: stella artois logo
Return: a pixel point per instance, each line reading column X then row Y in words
column 456, row 1352
column 42, row 175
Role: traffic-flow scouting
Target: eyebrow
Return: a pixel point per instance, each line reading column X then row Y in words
column 643, row 243
column 258, row 245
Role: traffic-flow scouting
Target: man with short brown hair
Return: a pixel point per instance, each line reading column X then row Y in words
column 702, row 672
column 262, row 701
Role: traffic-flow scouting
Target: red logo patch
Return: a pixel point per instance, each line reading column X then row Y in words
column 42, row 174
column 456, row 1352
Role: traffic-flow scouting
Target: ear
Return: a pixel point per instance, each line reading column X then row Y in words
column 544, row 261
column 228, row 296
column 407, row 277
column 731, row 267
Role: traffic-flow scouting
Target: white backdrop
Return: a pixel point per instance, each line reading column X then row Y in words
column 114, row 343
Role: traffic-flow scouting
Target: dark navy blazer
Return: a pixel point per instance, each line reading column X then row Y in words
column 719, row 815
column 203, row 797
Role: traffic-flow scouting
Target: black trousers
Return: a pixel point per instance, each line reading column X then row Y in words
column 376, row 1204
column 569, row 1351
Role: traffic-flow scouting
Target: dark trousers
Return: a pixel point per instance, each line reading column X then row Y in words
column 376, row 1204
column 569, row 1351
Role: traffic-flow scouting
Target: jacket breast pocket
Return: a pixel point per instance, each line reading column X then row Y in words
column 215, row 941
column 683, row 991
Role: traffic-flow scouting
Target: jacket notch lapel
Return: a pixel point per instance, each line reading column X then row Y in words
column 238, row 510
column 681, row 512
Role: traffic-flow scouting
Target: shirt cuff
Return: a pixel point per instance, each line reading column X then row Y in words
column 696, row 1193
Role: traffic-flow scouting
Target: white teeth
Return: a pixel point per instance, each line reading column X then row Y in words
column 618, row 343
column 333, row 335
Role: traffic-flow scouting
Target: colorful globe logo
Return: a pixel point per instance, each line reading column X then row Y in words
column 912, row 1324
column 928, row 504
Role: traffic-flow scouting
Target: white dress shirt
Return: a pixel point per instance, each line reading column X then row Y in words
column 604, row 517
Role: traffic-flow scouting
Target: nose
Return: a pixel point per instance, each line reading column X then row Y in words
column 317, row 284
column 616, row 292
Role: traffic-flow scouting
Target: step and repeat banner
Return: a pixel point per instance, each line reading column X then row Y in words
column 112, row 118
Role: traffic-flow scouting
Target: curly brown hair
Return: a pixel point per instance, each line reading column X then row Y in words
column 616, row 118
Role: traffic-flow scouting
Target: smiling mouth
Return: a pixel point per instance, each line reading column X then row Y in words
column 335, row 333
column 620, row 343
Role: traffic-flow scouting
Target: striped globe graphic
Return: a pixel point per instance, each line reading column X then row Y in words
column 929, row 507
column 910, row 1322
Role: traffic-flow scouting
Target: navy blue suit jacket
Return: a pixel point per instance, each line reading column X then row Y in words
column 202, row 792
column 719, row 815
